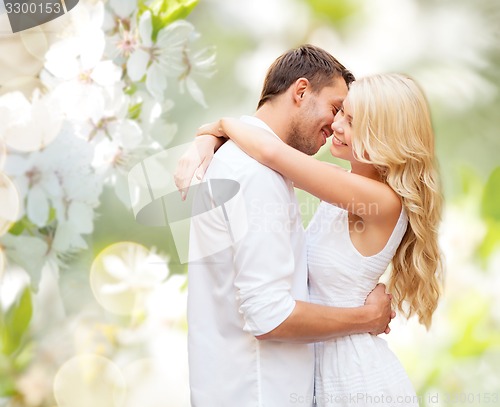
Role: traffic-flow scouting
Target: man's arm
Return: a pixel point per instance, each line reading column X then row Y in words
column 313, row 322
column 264, row 263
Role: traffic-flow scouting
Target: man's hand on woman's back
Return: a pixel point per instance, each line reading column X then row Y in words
column 379, row 302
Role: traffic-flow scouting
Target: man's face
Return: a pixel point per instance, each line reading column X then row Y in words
column 311, row 126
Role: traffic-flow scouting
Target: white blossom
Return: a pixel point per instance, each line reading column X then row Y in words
column 154, row 119
column 169, row 56
column 77, row 73
column 37, row 183
column 9, row 204
column 28, row 126
column 3, row 149
column 118, row 12
column 120, row 26
column 89, row 124
column 59, row 177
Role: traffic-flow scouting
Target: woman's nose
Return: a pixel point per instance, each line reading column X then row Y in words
column 336, row 128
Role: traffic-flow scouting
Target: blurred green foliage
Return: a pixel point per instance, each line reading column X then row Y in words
column 334, row 11
column 490, row 211
column 14, row 346
column 14, row 323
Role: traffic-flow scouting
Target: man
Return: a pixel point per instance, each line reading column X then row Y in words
column 250, row 322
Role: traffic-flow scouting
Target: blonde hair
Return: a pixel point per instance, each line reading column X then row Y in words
column 393, row 131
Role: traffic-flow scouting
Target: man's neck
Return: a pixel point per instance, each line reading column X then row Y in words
column 274, row 119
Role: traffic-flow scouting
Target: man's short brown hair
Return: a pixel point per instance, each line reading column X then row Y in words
column 307, row 61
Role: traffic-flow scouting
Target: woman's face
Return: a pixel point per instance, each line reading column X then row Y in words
column 342, row 133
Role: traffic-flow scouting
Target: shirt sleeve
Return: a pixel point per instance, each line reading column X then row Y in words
column 264, row 258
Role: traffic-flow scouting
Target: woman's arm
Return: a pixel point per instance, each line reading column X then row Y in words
column 360, row 195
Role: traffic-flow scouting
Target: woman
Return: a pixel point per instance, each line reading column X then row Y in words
column 385, row 211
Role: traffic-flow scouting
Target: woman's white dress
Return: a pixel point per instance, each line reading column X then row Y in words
column 356, row 370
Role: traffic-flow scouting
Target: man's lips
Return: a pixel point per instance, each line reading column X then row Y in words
column 326, row 134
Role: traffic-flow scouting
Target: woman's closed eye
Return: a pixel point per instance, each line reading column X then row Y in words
column 348, row 117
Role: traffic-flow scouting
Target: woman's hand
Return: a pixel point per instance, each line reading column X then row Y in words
column 213, row 129
column 195, row 161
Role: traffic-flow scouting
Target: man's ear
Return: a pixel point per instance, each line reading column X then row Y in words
column 300, row 89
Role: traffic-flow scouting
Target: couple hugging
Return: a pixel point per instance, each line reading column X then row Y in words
column 282, row 316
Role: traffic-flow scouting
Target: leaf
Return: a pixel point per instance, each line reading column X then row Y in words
column 490, row 209
column 490, row 212
column 471, row 320
column 130, row 89
column 7, row 384
column 134, row 111
column 24, row 357
column 471, row 182
column 15, row 323
column 177, row 10
column 17, row 228
column 167, row 11
column 490, row 242
column 337, row 11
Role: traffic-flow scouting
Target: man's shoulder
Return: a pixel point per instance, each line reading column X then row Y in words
column 233, row 162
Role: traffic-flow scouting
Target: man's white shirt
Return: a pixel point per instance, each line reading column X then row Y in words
column 252, row 267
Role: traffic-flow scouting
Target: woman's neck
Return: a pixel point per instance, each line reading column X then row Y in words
column 365, row 170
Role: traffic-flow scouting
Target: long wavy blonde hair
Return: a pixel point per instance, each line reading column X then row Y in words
column 393, row 131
